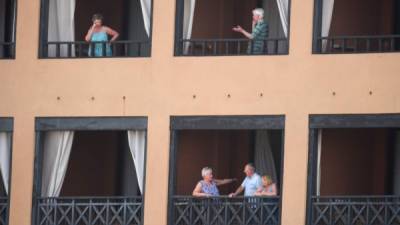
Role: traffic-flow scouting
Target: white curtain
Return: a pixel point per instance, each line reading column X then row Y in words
column 188, row 16
column 56, row 152
column 146, row 11
column 283, row 6
column 137, row 145
column 319, row 146
column 396, row 167
column 263, row 157
column 5, row 151
column 61, row 25
column 327, row 11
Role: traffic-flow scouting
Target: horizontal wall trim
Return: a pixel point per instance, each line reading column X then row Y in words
column 227, row 122
column 90, row 123
column 355, row 121
column 6, row 124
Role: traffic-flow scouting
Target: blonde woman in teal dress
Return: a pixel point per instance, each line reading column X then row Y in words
column 100, row 33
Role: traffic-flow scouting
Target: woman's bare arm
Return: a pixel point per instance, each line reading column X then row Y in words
column 223, row 181
column 89, row 33
column 114, row 34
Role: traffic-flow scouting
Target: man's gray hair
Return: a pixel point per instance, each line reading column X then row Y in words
column 251, row 165
column 206, row 170
column 258, row 12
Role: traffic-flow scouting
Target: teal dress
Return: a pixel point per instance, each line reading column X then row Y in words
column 98, row 47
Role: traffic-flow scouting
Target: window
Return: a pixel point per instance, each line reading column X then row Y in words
column 6, row 128
column 356, row 26
column 65, row 24
column 353, row 169
column 205, row 28
column 90, row 169
column 7, row 28
column 226, row 144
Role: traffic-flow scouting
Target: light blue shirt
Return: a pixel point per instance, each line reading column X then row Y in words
column 251, row 184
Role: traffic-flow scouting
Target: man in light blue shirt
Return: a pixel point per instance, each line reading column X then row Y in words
column 250, row 184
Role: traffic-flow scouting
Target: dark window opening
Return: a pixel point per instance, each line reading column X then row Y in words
column 356, row 26
column 63, row 32
column 226, row 152
column 206, row 28
column 7, row 28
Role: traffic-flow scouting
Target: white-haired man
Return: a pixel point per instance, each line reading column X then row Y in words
column 259, row 32
column 250, row 184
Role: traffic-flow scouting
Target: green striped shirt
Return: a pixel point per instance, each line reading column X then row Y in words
column 260, row 33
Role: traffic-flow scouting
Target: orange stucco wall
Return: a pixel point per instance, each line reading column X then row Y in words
column 296, row 85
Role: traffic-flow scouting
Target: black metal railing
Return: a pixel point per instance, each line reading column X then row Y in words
column 7, row 50
column 82, row 49
column 89, row 211
column 357, row 210
column 188, row 210
column 358, row 44
column 4, row 207
column 228, row 47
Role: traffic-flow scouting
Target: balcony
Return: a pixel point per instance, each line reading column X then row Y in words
column 188, row 210
column 4, row 207
column 354, row 166
column 230, row 47
column 356, row 26
column 82, row 49
column 85, row 210
column 123, row 29
column 349, row 210
column 95, row 177
column 206, row 28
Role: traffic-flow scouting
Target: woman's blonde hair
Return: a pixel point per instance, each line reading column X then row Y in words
column 268, row 178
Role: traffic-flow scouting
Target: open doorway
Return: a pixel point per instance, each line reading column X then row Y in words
column 359, row 162
column 205, row 27
column 100, row 164
column 225, row 144
column 7, row 28
column 66, row 23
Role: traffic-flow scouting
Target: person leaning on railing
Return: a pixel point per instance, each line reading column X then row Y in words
column 99, row 33
column 268, row 187
column 208, row 186
column 259, row 32
column 250, row 184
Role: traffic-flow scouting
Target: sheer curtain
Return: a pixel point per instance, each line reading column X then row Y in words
column 263, row 157
column 188, row 16
column 327, row 11
column 56, row 152
column 319, row 147
column 146, row 11
column 283, row 7
column 137, row 145
column 5, row 151
column 61, row 25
